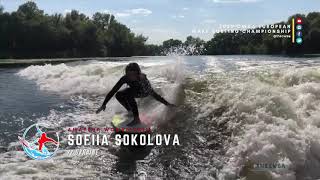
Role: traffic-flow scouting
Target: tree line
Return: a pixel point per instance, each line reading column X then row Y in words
column 28, row 32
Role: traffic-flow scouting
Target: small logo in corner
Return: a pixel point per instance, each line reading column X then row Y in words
column 38, row 142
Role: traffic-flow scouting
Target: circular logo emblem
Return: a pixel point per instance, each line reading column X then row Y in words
column 39, row 142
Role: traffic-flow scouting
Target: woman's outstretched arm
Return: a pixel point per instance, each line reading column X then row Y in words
column 115, row 88
column 159, row 98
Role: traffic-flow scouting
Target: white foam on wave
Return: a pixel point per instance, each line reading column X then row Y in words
column 92, row 78
column 274, row 118
column 97, row 78
column 220, row 64
column 15, row 165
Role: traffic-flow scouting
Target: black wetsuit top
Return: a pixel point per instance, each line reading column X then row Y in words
column 138, row 89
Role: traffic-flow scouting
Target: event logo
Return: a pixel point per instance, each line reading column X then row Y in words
column 296, row 37
column 38, row 142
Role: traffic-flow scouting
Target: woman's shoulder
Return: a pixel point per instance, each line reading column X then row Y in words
column 124, row 78
column 143, row 76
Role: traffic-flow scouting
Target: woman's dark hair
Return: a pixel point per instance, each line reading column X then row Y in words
column 133, row 67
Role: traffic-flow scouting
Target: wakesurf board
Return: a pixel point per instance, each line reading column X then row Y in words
column 121, row 123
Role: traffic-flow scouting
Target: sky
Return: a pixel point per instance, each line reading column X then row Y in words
column 160, row 20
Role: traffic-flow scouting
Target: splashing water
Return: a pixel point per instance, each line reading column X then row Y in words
column 184, row 50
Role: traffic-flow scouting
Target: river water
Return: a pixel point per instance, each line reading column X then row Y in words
column 234, row 112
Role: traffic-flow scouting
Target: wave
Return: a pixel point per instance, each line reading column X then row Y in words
column 87, row 84
column 238, row 113
column 273, row 117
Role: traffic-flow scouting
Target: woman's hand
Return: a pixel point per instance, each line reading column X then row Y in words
column 102, row 108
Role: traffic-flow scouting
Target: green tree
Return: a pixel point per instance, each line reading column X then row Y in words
column 30, row 33
column 171, row 43
column 29, row 10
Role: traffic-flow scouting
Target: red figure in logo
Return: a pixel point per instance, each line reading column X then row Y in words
column 43, row 139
